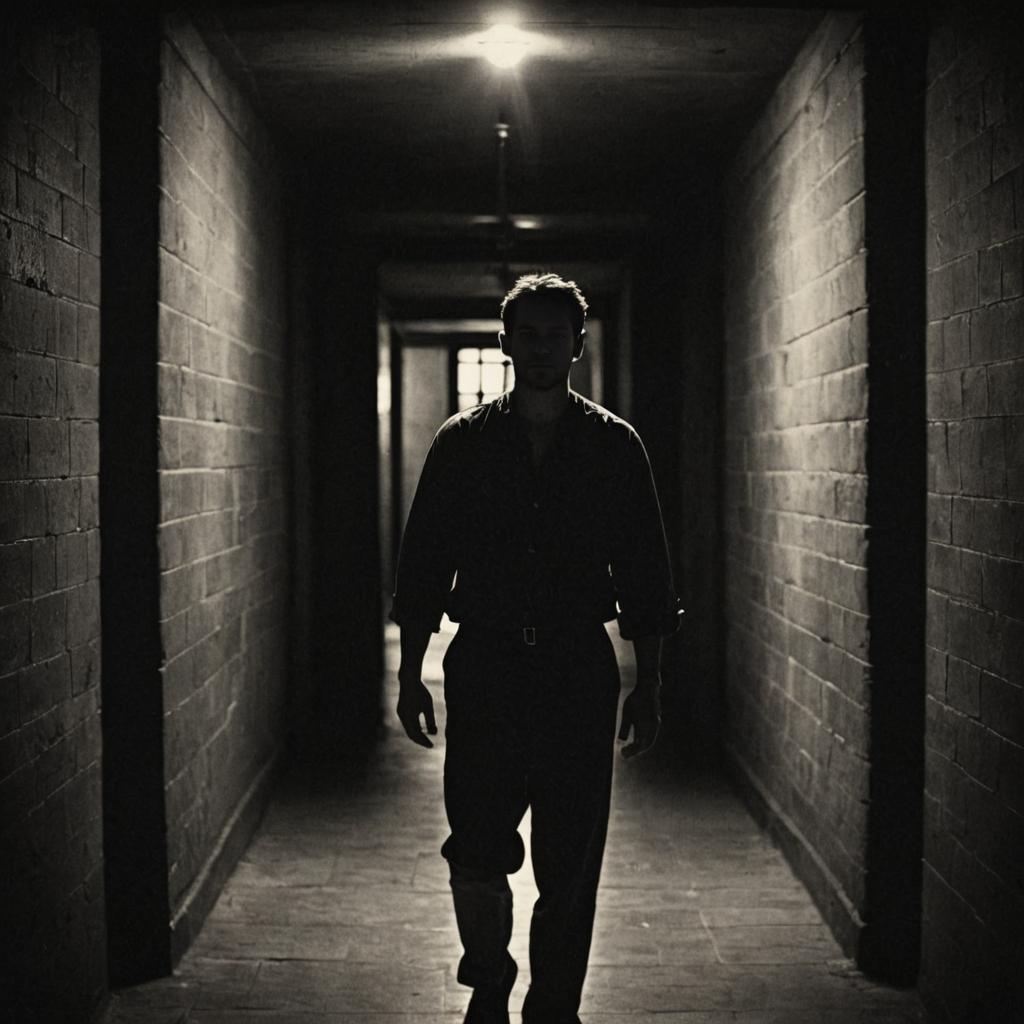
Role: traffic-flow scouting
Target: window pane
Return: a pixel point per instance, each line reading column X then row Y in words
column 510, row 377
column 469, row 355
column 467, row 401
column 491, row 355
column 468, row 378
column 490, row 396
column 492, row 377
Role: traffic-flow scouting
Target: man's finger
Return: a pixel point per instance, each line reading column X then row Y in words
column 626, row 724
column 413, row 731
column 428, row 716
column 416, row 734
column 635, row 748
column 643, row 740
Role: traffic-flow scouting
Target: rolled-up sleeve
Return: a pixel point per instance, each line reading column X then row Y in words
column 641, row 568
column 426, row 563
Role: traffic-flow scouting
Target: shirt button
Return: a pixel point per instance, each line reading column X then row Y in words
column 531, row 550
column 536, row 504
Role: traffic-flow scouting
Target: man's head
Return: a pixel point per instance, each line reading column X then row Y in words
column 545, row 285
column 543, row 334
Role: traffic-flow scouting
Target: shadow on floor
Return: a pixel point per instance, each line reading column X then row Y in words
column 340, row 911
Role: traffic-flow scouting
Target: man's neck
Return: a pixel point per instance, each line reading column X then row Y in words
column 540, row 407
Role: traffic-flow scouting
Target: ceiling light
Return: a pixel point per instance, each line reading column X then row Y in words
column 505, row 45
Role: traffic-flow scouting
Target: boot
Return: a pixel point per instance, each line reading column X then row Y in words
column 489, row 1004
column 483, row 912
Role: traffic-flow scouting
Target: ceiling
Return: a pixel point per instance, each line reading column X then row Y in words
column 623, row 105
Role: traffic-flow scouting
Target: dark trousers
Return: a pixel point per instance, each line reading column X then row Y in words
column 529, row 726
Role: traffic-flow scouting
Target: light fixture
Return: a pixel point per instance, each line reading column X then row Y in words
column 505, row 45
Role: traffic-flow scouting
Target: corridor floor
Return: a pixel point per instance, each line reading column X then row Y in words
column 340, row 912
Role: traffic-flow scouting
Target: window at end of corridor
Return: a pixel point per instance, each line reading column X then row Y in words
column 483, row 374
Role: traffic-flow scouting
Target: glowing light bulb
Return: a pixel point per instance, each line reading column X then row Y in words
column 505, row 45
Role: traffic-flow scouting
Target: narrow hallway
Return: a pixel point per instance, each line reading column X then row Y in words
column 253, row 255
column 340, row 910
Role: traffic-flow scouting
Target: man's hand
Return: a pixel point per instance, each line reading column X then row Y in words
column 414, row 700
column 641, row 712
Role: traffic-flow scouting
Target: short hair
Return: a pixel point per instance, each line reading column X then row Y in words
column 546, row 284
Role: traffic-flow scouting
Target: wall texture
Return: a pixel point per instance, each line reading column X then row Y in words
column 795, row 472
column 51, row 890
column 223, row 464
column 974, row 790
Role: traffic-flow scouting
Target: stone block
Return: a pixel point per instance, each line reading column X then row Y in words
column 83, row 448
column 44, row 685
column 15, row 572
column 93, row 553
column 63, row 500
column 963, row 687
column 38, row 204
column 1012, row 269
column 1011, row 776
column 974, row 392
column 89, row 278
column 61, row 268
column 8, row 380
column 48, row 453
column 181, row 287
column 88, row 515
column 1006, row 386
column 982, row 458
column 1002, row 707
column 945, row 395
column 35, row 387
column 83, row 613
column 73, row 227
column 49, row 631
column 940, row 518
column 13, row 448
column 44, row 566
column 72, row 559
column 85, row 667
column 1003, row 586
column 956, row 340
column 78, row 390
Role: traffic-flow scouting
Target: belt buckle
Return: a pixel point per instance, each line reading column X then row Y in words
column 529, row 636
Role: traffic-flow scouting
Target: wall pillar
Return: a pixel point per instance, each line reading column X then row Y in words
column 348, row 626
column 134, row 811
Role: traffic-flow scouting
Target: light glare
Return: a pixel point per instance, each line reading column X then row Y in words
column 505, row 45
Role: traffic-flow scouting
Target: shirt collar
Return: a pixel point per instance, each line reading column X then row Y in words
column 502, row 419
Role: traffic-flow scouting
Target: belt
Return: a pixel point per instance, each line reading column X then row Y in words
column 528, row 636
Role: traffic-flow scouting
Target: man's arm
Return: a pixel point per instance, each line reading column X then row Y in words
column 640, row 564
column 413, row 697
column 647, row 651
column 424, row 577
column 648, row 606
column 425, row 563
column 641, row 711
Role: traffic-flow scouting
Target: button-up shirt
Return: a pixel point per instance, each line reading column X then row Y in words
column 577, row 539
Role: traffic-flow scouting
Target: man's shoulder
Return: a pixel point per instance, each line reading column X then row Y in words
column 465, row 424
column 603, row 422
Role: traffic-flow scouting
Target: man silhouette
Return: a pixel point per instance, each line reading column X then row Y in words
column 542, row 508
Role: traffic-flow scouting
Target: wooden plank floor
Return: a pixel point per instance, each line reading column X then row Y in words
column 340, row 912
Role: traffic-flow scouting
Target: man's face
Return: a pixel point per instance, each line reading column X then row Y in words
column 541, row 343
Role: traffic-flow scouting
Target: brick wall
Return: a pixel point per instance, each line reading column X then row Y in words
column 795, row 489
column 223, row 539
column 974, row 790
column 51, row 890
